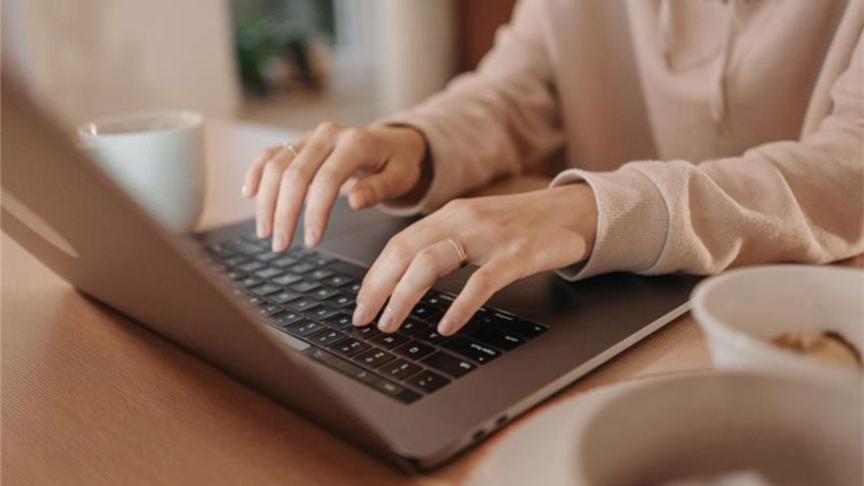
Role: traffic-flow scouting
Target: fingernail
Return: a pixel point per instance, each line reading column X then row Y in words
column 359, row 317
column 244, row 191
column 279, row 242
column 356, row 199
column 311, row 237
column 445, row 327
column 261, row 229
column 386, row 320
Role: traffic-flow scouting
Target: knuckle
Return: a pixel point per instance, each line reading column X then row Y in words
column 356, row 136
column 327, row 128
column 397, row 250
column 426, row 259
column 272, row 166
column 294, row 174
column 327, row 179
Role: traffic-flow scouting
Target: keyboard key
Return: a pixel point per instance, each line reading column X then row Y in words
column 324, row 293
column 515, row 325
column 283, row 297
column 353, row 288
column 429, row 335
column 287, row 318
column 251, row 266
column 268, row 257
column 396, row 391
column 411, row 326
column 414, row 350
column 338, row 280
column 242, row 248
column 321, row 260
column 305, row 286
column 285, row 261
column 399, row 369
column 269, row 309
column 250, row 282
column 265, row 290
column 287, row 279
column 323, row 312
column 365, row 332
column 326, row 337
column 434, row 299
column 448, row 364
column 347, row 268
column 389, row 341
column 303, row 328
column 473, row 350
column 374, row 358
column 219, row 250
column 303, row 267
column 425, row 312
column 342, row 301
column 427, row 381
column 320, row 274
column 492, row 335
column 234, row 261
column 350, row 347
column 255, row 300
column 269, row 272
column 303, row 305
column 339, row 321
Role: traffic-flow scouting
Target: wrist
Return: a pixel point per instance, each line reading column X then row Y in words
column 412, row 149
column 579, row 210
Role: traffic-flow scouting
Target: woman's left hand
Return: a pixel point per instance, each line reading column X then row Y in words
column 508, row 237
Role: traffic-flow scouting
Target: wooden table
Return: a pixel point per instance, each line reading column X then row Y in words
column 89, row 399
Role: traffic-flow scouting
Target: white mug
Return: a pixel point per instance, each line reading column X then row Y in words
column 157, row 157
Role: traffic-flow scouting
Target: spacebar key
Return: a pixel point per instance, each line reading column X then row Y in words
column 398, row 392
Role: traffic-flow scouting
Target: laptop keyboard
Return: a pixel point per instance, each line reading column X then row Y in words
column 311, row 296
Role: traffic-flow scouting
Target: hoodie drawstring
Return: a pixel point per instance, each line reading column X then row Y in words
column 718, row 97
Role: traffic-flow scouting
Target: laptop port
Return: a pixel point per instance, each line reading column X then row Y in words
column 478, row 436
column 501, row 421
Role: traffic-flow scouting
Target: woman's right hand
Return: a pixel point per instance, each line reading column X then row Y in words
column 387, row 160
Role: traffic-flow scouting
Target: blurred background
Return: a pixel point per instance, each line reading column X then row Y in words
column 291, row 63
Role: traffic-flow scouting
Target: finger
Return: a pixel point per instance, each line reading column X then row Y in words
column 267, row 190
column 354, row 151
column 256, row 170
column 483, row 283
column 393, row 181
column 295, row 181
column 430, row 264
column 389, row 267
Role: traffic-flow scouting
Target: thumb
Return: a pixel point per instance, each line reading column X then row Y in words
column 393, row 181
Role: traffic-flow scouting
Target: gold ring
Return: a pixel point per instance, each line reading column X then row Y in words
column 460, row 250
column 290, row 148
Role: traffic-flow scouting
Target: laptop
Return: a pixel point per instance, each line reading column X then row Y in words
column 281, row 322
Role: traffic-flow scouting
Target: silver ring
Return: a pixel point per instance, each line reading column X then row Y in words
column 290, row 148
column 460, row 250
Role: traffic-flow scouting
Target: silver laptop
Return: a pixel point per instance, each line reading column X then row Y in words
column 281, row 322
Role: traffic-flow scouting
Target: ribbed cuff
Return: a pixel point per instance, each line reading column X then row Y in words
column 632, row 221
column 440, row 158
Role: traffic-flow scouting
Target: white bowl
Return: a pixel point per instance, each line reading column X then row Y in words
column 784, row 430
column 741, row 310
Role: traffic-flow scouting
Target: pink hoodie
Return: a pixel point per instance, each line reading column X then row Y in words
column 714, row 133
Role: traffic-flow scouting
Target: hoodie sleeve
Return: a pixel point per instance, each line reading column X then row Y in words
column 492, row 122
column 786, row 201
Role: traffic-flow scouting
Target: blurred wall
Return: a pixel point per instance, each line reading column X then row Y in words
column 415, row 50
column 95, row 57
